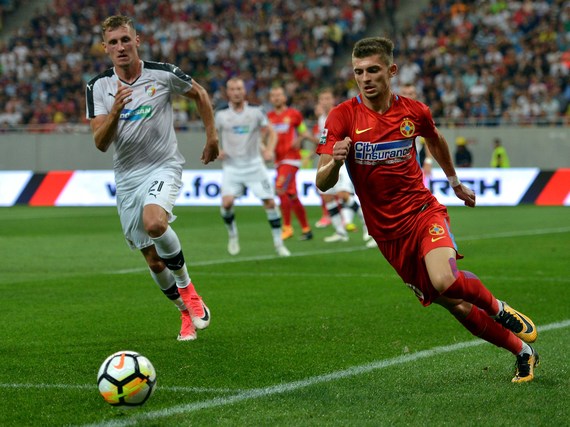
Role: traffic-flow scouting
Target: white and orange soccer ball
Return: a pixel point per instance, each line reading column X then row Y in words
column 126, row 378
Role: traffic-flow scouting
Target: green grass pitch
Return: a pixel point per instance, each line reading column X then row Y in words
column 327, row 337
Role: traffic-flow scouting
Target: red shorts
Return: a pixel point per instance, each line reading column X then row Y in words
column 406, row 254
column 285, row 182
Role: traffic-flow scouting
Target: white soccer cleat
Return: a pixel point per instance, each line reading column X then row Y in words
column 282, row 251
column 336, row 238
column 369, row 241
column 233, row 246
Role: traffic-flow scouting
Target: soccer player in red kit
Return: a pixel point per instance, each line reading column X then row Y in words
column 373, row 133
column 291, row 130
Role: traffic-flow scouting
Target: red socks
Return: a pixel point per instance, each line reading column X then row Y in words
column 469, row 288
column 285, row 209
column 479, row 324
column 300, row 213
column 294, row 204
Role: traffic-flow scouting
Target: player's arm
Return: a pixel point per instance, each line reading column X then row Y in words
column 329, row 165
column 439, row 149
column 200, row 96
column 268, row 141
column 104, row 126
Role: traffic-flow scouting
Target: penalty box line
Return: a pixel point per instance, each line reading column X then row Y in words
column 296, row 385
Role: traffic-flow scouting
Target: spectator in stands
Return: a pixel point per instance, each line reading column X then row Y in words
column 463, row 158
column 499, row 157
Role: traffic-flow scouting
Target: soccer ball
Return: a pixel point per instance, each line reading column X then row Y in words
column 126, row 378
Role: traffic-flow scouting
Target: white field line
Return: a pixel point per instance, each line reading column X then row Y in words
column 337, row 249
column 257, row 393
column 176, row 389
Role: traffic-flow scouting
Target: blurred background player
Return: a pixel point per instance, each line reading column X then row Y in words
column 291, row 130
column 129, row 106
column 247, row 141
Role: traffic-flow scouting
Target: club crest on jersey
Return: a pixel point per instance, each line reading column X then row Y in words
column 323, row 137
column 436, row 230
column 407, row 128
column 150, row 90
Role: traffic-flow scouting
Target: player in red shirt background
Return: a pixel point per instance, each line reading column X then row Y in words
column 291, row 130
column 374, row 133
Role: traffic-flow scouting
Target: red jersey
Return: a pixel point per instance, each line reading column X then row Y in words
column 382, row 161
column 285, row 125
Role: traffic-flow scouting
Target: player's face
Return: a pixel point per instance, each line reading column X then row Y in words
column 121, row 45
column 326, row 101
column 373, row 76
column 236, row 92
column 277, row 98
column 409, row 92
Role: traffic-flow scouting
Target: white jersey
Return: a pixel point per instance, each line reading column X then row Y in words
column 145, row 135
column 240, row 134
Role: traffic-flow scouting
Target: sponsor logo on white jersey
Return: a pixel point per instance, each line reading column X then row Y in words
column 137, row 114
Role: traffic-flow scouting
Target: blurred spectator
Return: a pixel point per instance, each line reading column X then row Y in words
column 463, row 158
column 473, row 61
column 499, row 157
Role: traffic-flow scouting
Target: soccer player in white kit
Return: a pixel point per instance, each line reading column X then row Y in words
column 129, row 106
column 248, row 141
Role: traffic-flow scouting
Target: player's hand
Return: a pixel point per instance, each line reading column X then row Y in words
column 122, row 97
column 268, row 155
column 466, row 194
column 211, row 152
column 341, row 149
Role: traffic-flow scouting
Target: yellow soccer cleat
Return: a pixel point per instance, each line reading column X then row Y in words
column 524, row 367
column 517, row 323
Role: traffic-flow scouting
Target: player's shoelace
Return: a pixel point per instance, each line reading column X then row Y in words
column 510, row 321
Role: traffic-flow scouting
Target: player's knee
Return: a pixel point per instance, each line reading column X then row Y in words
column 155, row 227
column 441, row 280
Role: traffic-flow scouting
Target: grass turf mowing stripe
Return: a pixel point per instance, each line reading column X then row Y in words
column 537, row 232
column 295, row 385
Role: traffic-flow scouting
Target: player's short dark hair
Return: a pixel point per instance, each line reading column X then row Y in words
column 370, row 46
column 116, row 21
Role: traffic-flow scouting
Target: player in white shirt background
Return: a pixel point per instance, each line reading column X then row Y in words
column 130, row 107
column 247, row 142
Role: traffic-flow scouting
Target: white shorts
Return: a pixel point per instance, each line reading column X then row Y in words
column 235, row 180
column 161, row 187
column 344, row 183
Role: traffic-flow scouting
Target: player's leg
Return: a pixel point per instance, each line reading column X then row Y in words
column 296, row 204
column 229, row 218
column 274, row 220
column 260, row 184
column 340, row 234
column 281, row 184
column 232, row 187
column 156, row 215
column 460, row 284
column 164, row 278
column 325, row 219
column 480, row 324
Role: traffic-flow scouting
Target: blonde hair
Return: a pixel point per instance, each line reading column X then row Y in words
column 116, row 21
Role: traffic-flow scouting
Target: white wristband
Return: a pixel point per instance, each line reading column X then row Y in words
column 453, row 180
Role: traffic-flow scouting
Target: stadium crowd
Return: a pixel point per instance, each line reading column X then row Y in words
column 481, row 62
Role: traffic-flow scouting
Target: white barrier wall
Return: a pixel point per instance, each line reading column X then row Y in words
column 493, row 187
